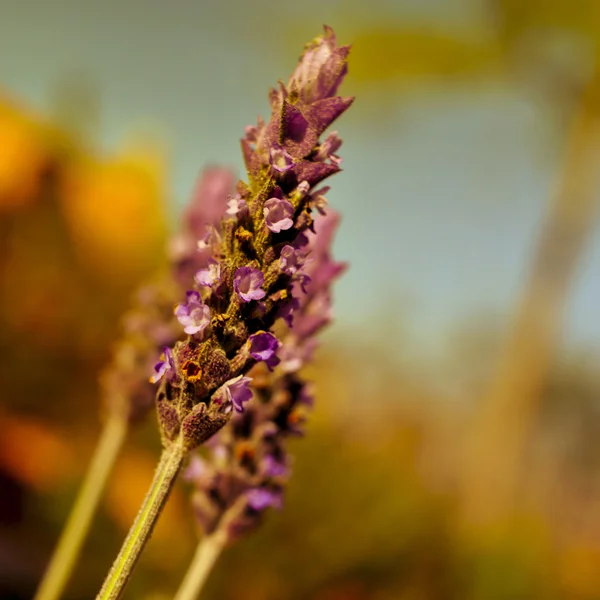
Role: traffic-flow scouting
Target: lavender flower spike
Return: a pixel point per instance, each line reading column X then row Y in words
column 248, row 464
column 249, row 284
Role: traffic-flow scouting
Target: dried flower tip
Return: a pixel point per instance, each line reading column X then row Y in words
column 321, row 68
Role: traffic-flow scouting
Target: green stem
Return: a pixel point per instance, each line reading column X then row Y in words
column 69, row 545
column 141, row 530
column 206, row 555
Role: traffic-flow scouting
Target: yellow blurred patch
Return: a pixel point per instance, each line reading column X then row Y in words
column 580, row 570
column 115, row 212
column 22, row 158
column 404, row 53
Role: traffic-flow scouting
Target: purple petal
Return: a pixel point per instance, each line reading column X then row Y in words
column 165, row 367
column 263, row 346
column 260, row 499
column 237, row 391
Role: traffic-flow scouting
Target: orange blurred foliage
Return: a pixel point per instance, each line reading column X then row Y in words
column 23, row 157
column 34, row 453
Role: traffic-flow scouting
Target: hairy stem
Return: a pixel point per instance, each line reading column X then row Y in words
column 141, row 530
column 207, row 552
column 71, row 540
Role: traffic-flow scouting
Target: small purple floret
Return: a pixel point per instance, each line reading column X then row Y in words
column 165, row 367
column 279, row 214
column 237, row 391
column 290, row 260
column 263, row 346
column 280, row 160
column 209, row 276
column 248, row 284
column 193, row 315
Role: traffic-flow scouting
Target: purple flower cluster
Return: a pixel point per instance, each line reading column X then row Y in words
column 247, row 465
column 257, row 271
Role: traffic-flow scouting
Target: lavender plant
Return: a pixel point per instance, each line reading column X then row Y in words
column 127, row 394
column 253, row 278
column 248, row 462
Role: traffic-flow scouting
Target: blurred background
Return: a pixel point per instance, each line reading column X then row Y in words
column 455, row 449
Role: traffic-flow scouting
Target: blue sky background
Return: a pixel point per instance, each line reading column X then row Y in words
column 443, row 189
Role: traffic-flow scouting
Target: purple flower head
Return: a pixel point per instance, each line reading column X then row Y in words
column 263, row 346
column 260, row 499
column 279, row 214
column 165, row 367
column 280, row 160
column 235, row 205
column 209, row 276
column 236, row 391
column 193, row 314
column 248, row 282
column 290, row 260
